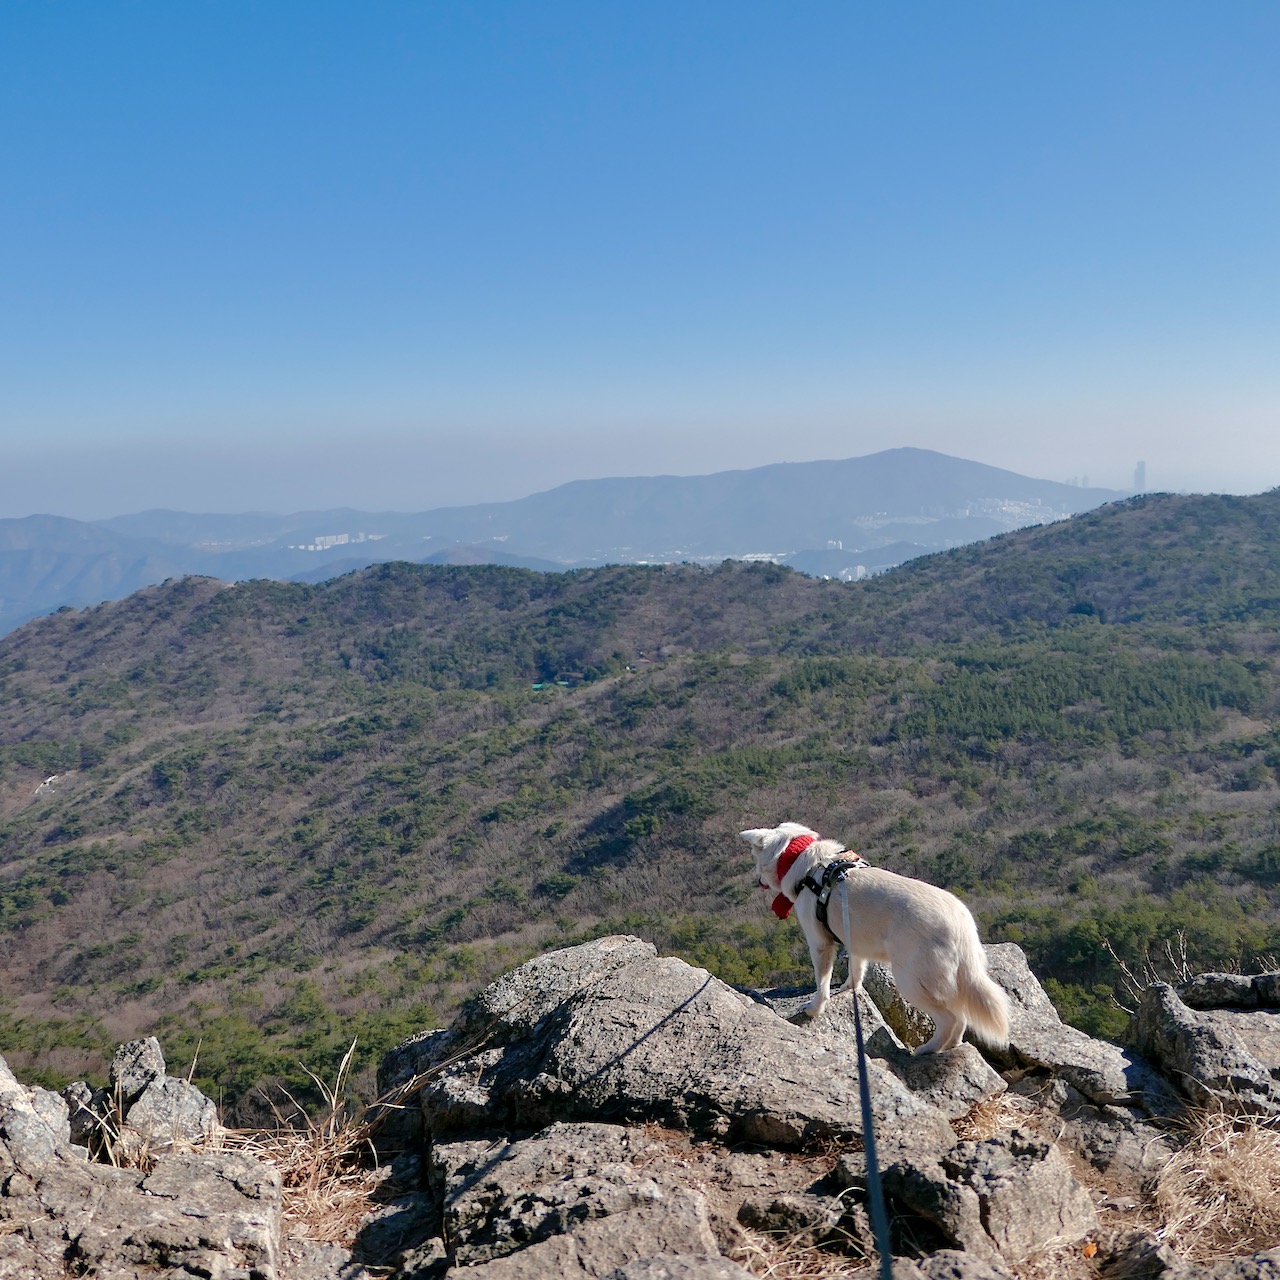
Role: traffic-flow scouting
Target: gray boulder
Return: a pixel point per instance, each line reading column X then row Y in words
column 502, row 1197
column 908, row 1023
column 33, row 1130
column 397, row 1228
column 208, row 1214
column 86, row 1108
column 1219, row 1057
column 954, row 1082
column 1102, row 1072
column 1231, row 991
column 950, row 1264
column 572, row 1201
column 134, row 1066
column 214, row 1214
column 1139, row 1257
column 803, row 1217
column 1220, row 991
column 609, row 1031
column 1261, row 1266
column 142, row 1110
column 53, row 1110
column 1127, row 1149
column 170, row 1111
column 1006, row 1198
column 1117, row 1141
column 429, row 1261
column 835, row 1024
column 946, row 1264
column 302, row 1259
column 397, row 1120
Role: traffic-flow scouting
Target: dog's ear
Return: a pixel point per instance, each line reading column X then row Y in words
column 757, row 836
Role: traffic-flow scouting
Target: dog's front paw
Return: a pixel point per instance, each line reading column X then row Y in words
column 813, row 1008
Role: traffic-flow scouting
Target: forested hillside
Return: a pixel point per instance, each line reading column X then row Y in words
column 285, row 815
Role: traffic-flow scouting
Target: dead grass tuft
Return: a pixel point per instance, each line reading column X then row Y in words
column 986, row 1119
column 1220, row 1194
column 328, row 1169
column 773, row 1256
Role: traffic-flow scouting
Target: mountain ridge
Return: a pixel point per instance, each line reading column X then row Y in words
column 889, row 505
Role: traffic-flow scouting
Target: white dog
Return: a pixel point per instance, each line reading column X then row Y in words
column 925, row 934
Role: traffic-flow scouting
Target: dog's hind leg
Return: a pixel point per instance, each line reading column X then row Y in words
column 948, row 1027
column 822, row 952
column 947, row 1030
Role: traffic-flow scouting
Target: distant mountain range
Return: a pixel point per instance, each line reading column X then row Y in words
column 835, row 519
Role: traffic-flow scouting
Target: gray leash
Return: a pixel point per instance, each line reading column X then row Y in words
column 875, row 1188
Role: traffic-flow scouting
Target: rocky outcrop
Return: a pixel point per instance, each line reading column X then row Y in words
column 953, row 1082
column 611, row 1031
column 1107, row 1097
column 141, row 1109
column 1009, row 1197
column 528, row 1179
column 214, row 1214
column 572, row 1200
column 1138, row 1257
column 33, row 1124
column 1103, row 1073
column 511, row 1101
column 605, row 1113
column 1217, row 1038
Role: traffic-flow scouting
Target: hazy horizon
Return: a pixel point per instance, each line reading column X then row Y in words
column 1082, row 481
column 396, row 256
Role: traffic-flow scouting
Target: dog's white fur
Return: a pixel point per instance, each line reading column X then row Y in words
column 925, row 934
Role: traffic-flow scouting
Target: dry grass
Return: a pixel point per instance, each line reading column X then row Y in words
column 328, row 1170
column 1220, row 1194
column 773, row 1256
column 1075, row 1262
column 986, row 1119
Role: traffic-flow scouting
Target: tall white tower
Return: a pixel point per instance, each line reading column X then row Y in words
column 1140, row 478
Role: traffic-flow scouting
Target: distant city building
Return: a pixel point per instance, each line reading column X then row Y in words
column 1140, row 478
column 855, row 573
column 327, row 540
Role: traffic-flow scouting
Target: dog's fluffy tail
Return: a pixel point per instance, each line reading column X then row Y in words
column 984, row 1004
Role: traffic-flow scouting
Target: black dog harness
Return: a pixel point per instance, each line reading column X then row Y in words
column 821, row 887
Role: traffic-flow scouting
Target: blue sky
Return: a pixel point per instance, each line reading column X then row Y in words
column 398, row 255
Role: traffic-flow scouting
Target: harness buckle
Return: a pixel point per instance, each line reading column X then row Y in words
column 832, row 874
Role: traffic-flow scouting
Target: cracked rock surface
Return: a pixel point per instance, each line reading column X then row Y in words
column 605, row 1113
column 1219, row 1055
column 611, row 1031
